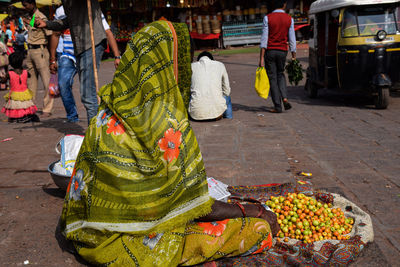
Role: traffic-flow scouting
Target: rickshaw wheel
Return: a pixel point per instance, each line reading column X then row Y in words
column 382, row 99
column 311, row 89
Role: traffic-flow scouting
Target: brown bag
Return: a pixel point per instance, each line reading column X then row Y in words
column 3, row 60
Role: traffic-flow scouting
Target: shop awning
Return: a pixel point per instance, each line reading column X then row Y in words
column 40, row 3
column 3, row 16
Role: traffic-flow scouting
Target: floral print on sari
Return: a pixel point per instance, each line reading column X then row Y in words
column 152, row 240
column 76, row 186
column 214, row 228
column 102, row 117
column 115, row 126
column 170, row 143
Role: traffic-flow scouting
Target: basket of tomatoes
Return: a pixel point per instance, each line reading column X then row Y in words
column 307, row 219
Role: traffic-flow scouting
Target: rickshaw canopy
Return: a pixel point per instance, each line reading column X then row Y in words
column 326, row 5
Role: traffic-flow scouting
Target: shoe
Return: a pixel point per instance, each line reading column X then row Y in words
column 35, row 118
column 71, row 121
column 274, row 110
column 287, row 105
column 46, row 114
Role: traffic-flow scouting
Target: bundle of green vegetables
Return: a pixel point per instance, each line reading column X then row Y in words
column 294, row 71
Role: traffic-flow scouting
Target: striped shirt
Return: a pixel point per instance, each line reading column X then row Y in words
column 68, row 45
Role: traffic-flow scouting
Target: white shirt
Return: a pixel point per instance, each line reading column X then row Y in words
column 210, row 83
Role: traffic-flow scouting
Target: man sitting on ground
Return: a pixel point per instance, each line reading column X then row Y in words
column 210, row 89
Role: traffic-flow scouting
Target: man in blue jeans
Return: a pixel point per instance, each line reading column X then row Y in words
column 78, row 22
column 68, row 67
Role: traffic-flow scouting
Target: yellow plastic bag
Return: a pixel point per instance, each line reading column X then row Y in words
column 262, row 83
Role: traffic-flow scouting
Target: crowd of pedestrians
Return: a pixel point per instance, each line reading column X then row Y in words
column 34, row 40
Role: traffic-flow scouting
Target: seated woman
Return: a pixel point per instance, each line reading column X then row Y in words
column 138, row 195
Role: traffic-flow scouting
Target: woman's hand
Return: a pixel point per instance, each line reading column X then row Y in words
column 271, row 218
column 116, row 62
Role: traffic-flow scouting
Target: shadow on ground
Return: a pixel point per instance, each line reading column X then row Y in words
column 237, row 107
column 56, row 123
column 332, row 98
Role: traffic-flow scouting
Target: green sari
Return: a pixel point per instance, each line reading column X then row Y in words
column 139, row 179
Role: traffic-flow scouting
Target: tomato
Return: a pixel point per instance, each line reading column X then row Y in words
column 304, row 218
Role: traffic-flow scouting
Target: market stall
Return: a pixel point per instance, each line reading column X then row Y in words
column 217, row 23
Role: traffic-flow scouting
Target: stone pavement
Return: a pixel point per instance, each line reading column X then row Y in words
column 349, row 147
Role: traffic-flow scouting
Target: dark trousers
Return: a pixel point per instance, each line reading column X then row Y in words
column 275, row 65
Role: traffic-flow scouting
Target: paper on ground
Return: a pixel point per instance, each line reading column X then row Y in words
column 217, row 189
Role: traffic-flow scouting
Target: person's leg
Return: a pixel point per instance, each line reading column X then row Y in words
column 270, row 65
column 32, row 80
column 86, row 77
column 41, row 60
column 66, row 73
column 280, row 62
column 280, row 68
column 228, row 112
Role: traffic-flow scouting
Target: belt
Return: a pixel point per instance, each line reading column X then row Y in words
column 34, row 46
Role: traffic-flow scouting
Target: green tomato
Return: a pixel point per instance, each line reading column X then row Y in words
column 291, row 213
column 294, row 219
column 315, row 222
column 285, row 221
column 281, row 199
column 298, row 232
column 294, row 208
column 285, row 229
column 299, row 205
column 273, row 205
column 326, row 206
column 306, row 223
column 281, row 235
column 319, row 205
column 278, row 207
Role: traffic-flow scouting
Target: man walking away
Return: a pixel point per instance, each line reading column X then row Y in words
column 37, row 59
column 278, row 29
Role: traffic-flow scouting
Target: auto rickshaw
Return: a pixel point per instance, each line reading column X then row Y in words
column 354, row 45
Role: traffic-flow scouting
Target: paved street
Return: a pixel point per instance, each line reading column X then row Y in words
column 349, row 146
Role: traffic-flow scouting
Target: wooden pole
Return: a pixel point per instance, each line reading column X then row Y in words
column 96, row 78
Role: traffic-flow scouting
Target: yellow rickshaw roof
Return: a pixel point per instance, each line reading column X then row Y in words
column 326, row 5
